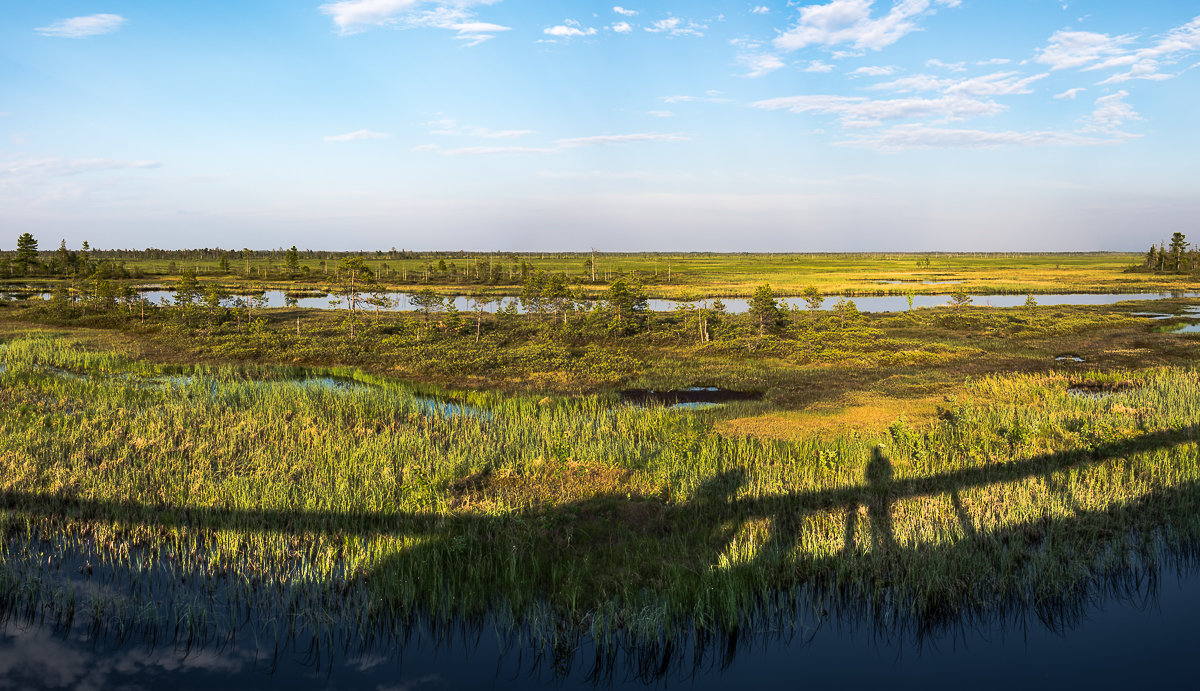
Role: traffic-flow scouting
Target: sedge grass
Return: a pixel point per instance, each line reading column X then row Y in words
column 363, row 505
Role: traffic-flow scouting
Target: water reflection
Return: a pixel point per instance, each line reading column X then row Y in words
column 1127, row 630
column 865, row 303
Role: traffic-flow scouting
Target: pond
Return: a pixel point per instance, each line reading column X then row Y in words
column 864, row 303
column 1137, row 630
column 690, row 397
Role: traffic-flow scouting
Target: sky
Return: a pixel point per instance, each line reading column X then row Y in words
column 840, row 125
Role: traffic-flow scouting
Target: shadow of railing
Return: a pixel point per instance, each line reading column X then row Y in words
column 711, row 518
column 716, row 498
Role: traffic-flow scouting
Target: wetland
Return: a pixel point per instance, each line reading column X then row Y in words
column 592, row 496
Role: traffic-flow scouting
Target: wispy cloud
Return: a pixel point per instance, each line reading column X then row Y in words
column 916, row 136
column 934, row 63
column 674, row 26
column 858, row 112
column 354, row 16
column 994, row 84
column 874, row 71
column 82, row 27
column 760, row 9
column 759, row 64
column 355, row 136
column 569, row 143
column 53, row 167
column 610, row 139
column 708, row 97
column 1090, row 51
column 496, row 150
column 849, row 22
column 1070, row 93
column 452, row 128
column 621, row 27
column 569, row 29
column 818, row 66
column 624, row 12
column 1111, row 113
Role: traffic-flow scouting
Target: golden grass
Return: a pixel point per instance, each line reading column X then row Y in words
column 863, row 412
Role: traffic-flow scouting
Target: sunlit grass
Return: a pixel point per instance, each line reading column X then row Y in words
column 365, row 502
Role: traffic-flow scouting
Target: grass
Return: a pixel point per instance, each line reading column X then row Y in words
column 206, row 492
column 699, row 274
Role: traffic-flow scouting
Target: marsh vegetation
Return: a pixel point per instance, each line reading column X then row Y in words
column 178, row 471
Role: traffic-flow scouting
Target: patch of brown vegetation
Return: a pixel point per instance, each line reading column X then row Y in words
column 858, row 411
column 543, row 484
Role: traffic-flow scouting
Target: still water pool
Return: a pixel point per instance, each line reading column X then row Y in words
column 1141, row 633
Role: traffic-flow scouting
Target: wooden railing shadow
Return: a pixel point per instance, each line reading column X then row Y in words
column 704, row 525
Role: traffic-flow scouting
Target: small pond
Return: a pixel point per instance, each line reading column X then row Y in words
column 691, row 397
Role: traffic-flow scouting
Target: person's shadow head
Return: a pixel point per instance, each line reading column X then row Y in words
column 722, row 487
column 879, row 468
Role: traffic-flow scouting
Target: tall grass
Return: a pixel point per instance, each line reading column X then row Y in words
column 241, row 490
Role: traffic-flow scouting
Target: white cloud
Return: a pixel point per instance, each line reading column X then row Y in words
column 1090, row 51
column 907, row 137
column 857, row 111
column 993, row 61
column 759, row 64
column 1068, row 49
column 494, row 150
column 356, row 135
column 621, row 27
column 82, row 27
column 451, row 128
column 1070, row 93
column 354, row 16
column 818, row 66
column 1111, row 113
column 624, row 12
column 994, row 84
column 674, row 26
column 760, row 9
column 569, row 29
column 949, row 66
column 849, row 22
column 708, row 97
column 594, row 175
column 661, row 113
column 608, row 139
column 569, row 143
column 874, row 71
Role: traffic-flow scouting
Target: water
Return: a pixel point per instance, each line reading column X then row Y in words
column 1128, row 637
column 1185, row 328
column 695, row 397
column 867, row 303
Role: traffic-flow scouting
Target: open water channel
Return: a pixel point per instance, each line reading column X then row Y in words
column 1139, row 632
column 864, row 303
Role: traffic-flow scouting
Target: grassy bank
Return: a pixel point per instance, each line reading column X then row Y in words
column 364, row 501
column 665, row 275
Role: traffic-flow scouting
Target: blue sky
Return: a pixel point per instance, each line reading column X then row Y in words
column 841, row 125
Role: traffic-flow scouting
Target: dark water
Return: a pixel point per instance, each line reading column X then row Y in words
column 1140, row 636
column 691, row 397
column 869, row 303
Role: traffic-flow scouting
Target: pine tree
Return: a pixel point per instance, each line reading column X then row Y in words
column 764, row 308
column 27, row 248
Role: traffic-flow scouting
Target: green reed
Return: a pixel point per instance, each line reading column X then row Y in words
column 349, row 500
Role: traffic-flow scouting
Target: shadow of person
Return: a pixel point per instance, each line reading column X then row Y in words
column 879, row 500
